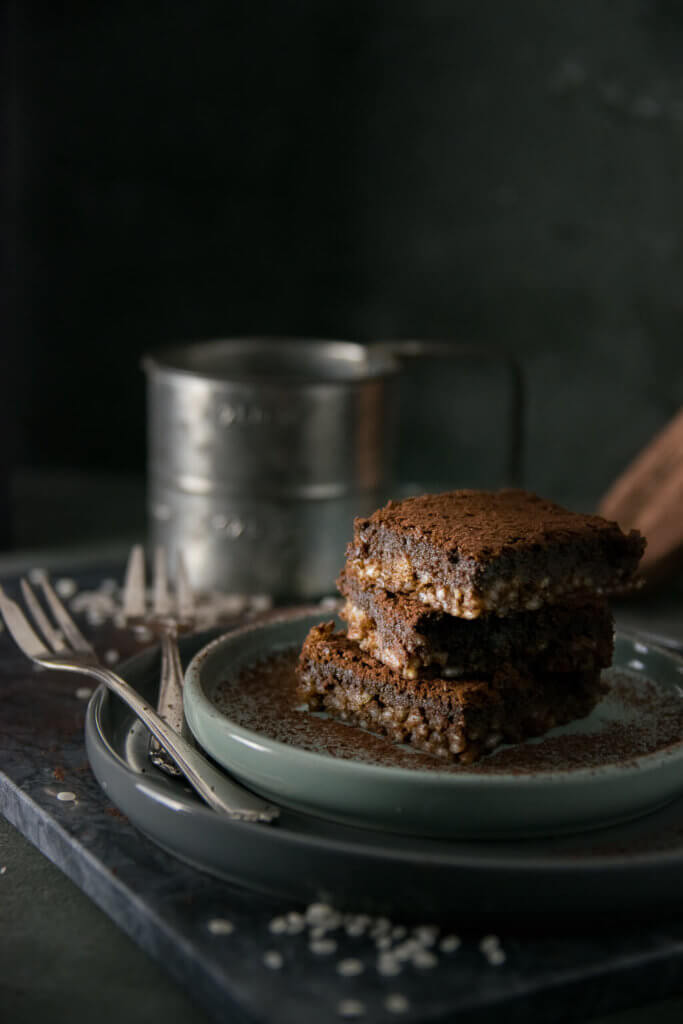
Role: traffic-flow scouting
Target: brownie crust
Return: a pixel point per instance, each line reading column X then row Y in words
column 470, row 553
column 409, row 637
column 460, row 720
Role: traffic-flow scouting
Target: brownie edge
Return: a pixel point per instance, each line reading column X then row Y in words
column 470, row 553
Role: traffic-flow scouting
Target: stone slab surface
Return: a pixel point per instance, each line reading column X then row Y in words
column 570, row 969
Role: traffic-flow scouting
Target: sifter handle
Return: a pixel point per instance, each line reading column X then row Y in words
column 404, row 349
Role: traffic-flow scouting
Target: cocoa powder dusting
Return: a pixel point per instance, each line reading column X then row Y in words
column 636, row 717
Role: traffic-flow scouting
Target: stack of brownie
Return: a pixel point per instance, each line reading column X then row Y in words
column 474, row 618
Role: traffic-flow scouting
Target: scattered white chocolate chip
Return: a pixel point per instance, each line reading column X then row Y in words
column 322, row 947
column 354, row 929
column 278, row 926
column 111, row 656
column 380, row 926
column 211, row 608
column 351, row 1008
column 405, row 950
column 220, row 926
column 273, row 959
column 83, row 693
column 295, row 922
column 424, row 959
column 66, row 796
column 450, row 943
column 388, row 965
column 496, row 957
column 319, row 913
column 492, row 950
column 426, row 934
column 66, row 587
column 395, row 1002
column 350, row 967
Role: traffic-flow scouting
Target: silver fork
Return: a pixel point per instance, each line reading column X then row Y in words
column 64, row 647
column 166, row 619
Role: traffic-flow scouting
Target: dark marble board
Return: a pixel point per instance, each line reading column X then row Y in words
column 567, row 968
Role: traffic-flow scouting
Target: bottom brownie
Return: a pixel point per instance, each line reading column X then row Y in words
column 456, row 719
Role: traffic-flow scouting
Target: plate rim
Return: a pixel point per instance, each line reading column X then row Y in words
column 634, row 767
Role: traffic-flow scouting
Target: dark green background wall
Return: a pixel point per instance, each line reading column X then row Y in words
column 508, row 173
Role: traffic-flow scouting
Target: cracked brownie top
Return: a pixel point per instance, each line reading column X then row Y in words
column 469, row 553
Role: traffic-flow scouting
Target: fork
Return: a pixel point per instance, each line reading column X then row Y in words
column 64, row 647
column 165, row 623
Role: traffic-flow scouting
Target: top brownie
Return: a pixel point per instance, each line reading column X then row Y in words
column 469, row 553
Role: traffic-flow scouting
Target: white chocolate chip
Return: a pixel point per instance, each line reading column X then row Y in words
column 66, row 587
column 350, row 967
column 322, row 947
column 450, row 943
column 395, row 1002
column 426, row 934
column 319, row 913
column 278, row 926
column 220, row 926
column 351, row 1008
column 496, row 957
column 388, row 965
column 424, row 959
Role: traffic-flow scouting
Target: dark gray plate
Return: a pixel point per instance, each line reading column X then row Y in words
column 635, row 866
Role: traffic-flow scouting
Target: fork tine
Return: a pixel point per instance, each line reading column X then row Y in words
column 17, row 623
column 64, row 620
column 134, row 585
column 54, row 638
column 184, row 595
column 162, row 601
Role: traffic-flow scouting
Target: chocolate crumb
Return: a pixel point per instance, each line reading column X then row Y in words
column 114, row 812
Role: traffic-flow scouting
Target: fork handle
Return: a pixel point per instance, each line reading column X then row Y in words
column 170, row 701
column 214, row 787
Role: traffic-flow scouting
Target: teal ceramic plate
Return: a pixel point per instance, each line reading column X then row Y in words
column 622, row 761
